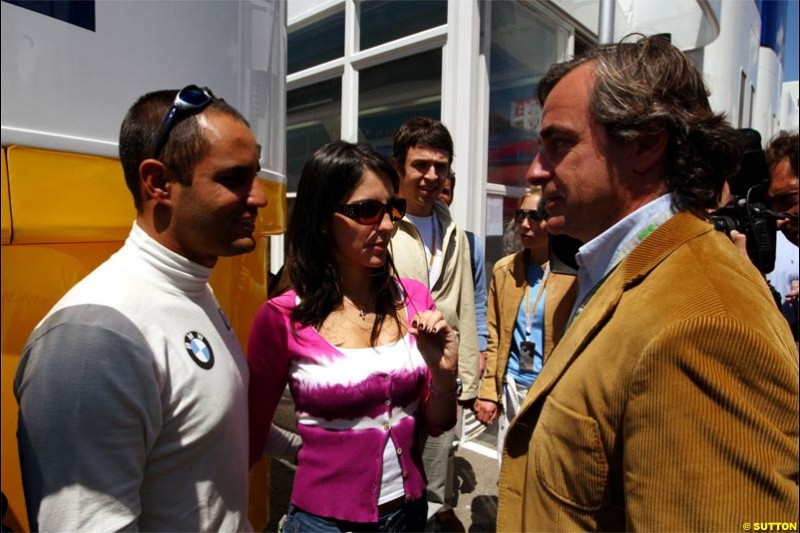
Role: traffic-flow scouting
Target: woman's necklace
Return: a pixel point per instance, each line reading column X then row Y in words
column 360, row 308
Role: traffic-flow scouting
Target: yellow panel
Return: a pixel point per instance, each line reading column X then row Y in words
column 33, row 278
column 258, row 506
column 272, row 219
column 240, row 285
column 64, row 197
column 6, row 207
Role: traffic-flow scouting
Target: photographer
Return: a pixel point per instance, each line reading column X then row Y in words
column 744, row 215
column 782, row 156
column 782, row 197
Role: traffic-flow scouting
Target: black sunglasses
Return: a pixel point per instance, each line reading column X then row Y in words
column 370, row 212
column 190, row 100
column 532, row 214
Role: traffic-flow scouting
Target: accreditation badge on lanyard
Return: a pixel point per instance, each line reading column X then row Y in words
column 527, row 348
column 526, row 351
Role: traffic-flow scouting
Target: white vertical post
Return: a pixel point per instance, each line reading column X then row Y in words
column 605, row 33
column 460, row 85
column 352, row 37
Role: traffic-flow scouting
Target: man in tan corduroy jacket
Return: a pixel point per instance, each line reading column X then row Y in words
column 671, row 401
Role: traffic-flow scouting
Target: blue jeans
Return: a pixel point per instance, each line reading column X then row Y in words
column 411, row 517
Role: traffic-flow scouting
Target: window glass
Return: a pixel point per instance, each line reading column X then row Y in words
column 391, row 93
column 313, row 118
column 316, row 43
column 503, row 240
column 523, row 47
column 386, row 20
column 742, row 88
column 582, row 45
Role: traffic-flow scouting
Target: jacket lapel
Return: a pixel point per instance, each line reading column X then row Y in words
column 514, row 289
column 583, row 329
column 678, row 230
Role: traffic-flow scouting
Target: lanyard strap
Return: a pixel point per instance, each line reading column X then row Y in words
column 586, row 299
column 530, row 312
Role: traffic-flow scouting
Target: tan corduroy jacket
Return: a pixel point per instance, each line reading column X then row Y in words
column 453, row 292
column 506, row 291
column 670, row 403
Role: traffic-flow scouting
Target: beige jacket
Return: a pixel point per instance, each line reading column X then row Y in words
column 670, row 403
column 508, row 286
column 453, row 292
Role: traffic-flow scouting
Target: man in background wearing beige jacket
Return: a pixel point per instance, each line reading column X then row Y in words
column 429, row 247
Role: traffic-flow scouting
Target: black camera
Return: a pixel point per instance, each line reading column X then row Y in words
column 752, row 218
column 748, row 213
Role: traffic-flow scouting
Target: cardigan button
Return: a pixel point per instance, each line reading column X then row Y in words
column 399, row 451
column 405, row 474
column 387, row 402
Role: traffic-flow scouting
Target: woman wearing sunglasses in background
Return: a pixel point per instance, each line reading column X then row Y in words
column 367, row 356
column 528, row 308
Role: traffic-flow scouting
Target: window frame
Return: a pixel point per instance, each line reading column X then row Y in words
column 465, row 40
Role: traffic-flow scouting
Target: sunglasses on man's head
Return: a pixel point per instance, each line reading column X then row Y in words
column 189, row 100
column 370, row 212
column 533, row 215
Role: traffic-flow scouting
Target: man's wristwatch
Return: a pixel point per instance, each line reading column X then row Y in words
column 446, row 395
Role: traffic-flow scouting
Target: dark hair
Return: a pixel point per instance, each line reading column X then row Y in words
column 328, row 177
column 782, row 146
column 420, row 131
column 650, row 86
column 185, row 146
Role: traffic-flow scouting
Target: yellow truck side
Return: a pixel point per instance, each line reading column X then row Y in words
column 65, row 206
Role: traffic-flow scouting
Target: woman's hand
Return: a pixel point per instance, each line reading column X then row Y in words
column 438, row 344
column 485, row 411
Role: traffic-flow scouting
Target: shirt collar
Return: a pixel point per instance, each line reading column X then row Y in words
column 598, row 257
column 184, row 274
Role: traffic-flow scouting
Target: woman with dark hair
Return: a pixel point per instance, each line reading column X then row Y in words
column 367, row 356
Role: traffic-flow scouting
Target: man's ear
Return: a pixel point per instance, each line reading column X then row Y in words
column 154, row 181
column 649, row 149
column 398, row 168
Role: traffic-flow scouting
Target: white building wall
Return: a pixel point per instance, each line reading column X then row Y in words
column 460, row 91
column 690, row 23
column 789, row 116
column 768, row 93
column 298, row 8
column 735, row 51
